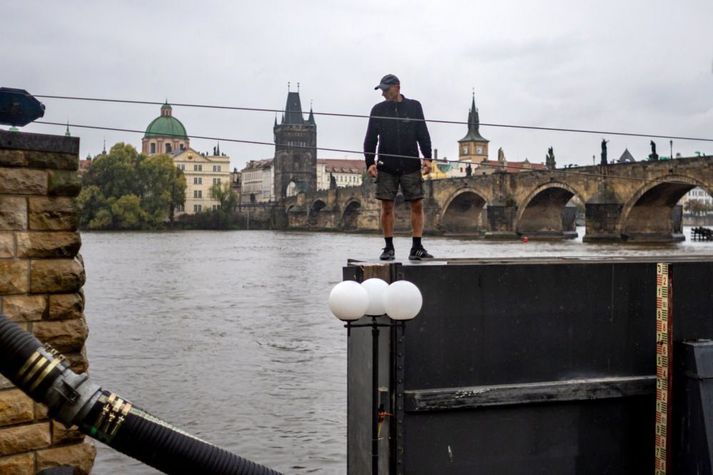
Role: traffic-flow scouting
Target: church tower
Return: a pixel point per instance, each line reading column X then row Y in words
column 473, row 147
column 295, row 162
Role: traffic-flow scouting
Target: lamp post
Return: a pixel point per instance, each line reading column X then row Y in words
column 350, row 301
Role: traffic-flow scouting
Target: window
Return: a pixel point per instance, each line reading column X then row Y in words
column 197, row 180
column 216, row 168
column 180, row 208
column 197, row 167
column 216, row 181
column 168, row 148
column 197, row 208
column 153, row 147
column 465, row 150
column 198, row 193
column 479, row 150
column 182, row 166
column 215, row 207
column 183, row 147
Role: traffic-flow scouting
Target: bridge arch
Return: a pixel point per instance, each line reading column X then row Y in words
column 314, row 210
column 648, row 214
column 350, row 217
column 544, row 211
column 464, row 213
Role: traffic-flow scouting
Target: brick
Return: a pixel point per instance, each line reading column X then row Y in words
column 52, row 214
column 63, row 435
column 80, row 456
column 13, row 213
column 66, row 306
column 15, row 407
column 41, row 412
column 18, row 439
column 23, row 181
column 78, row 361
column 50, row 160
column 56, row 275
column 48, row 244
column 12, row 158
column 25, row 308
column 64, row 183
column 7, row 245
column 66, row 336
column 14, row 278
column 18, row 465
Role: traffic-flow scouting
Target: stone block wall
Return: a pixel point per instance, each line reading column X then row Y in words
column 41, row 278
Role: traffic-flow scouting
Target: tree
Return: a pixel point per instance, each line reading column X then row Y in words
column 127, row 212
column 698, row 207
column 91, row 201
column 126, row 190
column 163, row 187
column 226, row 196
column 115, row 172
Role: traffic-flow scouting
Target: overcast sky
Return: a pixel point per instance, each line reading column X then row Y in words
column 634, row 65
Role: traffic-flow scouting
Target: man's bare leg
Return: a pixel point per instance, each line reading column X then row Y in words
column 417, row 218
column 387, row 218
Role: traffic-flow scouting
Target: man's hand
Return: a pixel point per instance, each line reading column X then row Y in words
column 427, row 165
column 372, row 171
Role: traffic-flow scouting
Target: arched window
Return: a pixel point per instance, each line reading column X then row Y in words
column 153, row 147
column 291, row 189
column 168, row 148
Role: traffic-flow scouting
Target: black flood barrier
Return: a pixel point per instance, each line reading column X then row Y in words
column 537, row 365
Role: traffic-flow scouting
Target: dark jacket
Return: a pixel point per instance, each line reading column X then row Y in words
column 397, row 136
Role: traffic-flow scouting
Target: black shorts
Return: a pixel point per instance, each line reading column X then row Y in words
column 387, row 185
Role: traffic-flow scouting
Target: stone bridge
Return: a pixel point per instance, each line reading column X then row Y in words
column 631, row 201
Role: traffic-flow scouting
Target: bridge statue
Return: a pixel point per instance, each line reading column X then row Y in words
column 550, row 159
column 604, row 152
column 468, row 170
column 501, row 155
column 653, row 156
column 332, row 182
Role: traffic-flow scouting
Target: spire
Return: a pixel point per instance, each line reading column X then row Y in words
column 66, row 132
column 310, row 119
column 293, row 110
column 473, row 134
column 104, row 149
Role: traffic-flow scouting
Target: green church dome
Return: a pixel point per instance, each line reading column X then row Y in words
column 166, row 125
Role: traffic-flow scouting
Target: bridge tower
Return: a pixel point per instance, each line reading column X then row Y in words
column 295, row 162
column 473, row 147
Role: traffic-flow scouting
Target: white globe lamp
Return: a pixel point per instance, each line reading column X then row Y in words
column 402, row 300
column 375, row 288
column 348, row 301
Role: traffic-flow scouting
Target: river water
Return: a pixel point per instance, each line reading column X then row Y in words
column 227, row 334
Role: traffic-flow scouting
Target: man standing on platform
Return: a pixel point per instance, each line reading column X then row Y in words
column 398, row 126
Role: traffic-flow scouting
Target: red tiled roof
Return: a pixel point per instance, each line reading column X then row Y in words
column 342, row 165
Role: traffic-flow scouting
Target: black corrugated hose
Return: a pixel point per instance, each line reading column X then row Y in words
column 72, row 399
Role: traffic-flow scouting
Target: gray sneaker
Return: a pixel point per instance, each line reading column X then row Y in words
column 388, row 254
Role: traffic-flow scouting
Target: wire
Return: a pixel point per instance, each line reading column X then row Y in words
column 360, row 116
column 256, row 142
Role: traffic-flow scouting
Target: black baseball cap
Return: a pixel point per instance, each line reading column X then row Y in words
column 387, row 81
